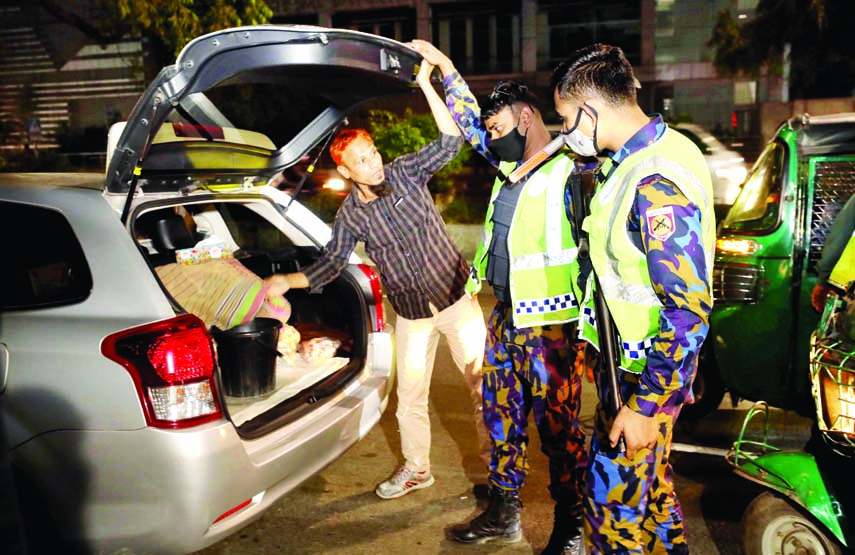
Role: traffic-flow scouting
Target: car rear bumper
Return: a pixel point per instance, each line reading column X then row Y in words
column 161, row 491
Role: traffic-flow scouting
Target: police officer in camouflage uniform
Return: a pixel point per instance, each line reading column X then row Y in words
column 528, row 255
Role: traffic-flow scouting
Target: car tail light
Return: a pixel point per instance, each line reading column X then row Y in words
column 377, row 293
column 172, row 364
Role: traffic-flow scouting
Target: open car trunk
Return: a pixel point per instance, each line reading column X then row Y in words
column 206, row 143
column 248, row 103
column 333, row 315
column 211, row 255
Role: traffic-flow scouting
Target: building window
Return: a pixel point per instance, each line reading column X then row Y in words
column 579, row 23
column 745, row 92
column 479, row 37
column 664, row 18
column 398, row 24
column 683, row 30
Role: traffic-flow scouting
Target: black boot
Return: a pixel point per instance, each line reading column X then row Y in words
column 501, row 521
column 566, row 538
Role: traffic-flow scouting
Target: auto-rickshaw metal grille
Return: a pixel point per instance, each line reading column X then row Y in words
column 834, row 183
column 832, row 371
column 735, row 282
column 833, row 364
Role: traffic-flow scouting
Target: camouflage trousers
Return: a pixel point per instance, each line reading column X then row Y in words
column 630, row 504
column 527, row 371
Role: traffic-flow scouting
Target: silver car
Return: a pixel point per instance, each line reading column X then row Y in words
column 727, row 167
column 123, row 433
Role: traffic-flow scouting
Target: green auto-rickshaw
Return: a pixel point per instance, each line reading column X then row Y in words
column 809, row 503
column 766, row 253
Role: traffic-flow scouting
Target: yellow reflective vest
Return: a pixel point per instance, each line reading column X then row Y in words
column 620, row 265
column 543, row 266
column 843, row 272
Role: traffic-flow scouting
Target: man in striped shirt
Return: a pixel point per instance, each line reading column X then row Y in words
column 423, row 273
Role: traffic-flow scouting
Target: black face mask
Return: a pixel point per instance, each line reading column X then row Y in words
column 509, row 148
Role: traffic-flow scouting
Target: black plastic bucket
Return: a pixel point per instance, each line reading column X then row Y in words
column 247, row 357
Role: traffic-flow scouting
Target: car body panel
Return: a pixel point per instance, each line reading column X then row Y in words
column 75, row 331
column 130, row 499
column 74, row 417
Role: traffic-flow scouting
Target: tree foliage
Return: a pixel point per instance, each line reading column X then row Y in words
column 168, row 25
column 398, row 135
column 177, row 22
column 816, row 32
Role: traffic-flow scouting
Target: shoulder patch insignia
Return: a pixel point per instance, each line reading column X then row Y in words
column 660, row 222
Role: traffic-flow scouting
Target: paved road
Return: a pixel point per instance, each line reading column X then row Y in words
column 337, row 513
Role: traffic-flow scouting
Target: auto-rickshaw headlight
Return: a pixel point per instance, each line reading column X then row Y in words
column 727, row 245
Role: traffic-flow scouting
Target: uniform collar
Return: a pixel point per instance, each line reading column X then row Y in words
column 647, row 135
column 651, row 132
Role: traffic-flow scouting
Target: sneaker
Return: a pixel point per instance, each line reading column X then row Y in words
column 402, row 482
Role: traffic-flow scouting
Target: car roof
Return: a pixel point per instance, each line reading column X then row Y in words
column 250, row 101
column 826, row 134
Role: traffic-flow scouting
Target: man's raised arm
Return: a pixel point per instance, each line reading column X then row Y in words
column 461, row 102
column 444, row 121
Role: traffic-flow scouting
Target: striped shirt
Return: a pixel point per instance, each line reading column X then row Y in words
column 403, row 234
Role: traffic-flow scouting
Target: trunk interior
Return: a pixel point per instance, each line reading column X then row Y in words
column 211, row 259
column 336, row 313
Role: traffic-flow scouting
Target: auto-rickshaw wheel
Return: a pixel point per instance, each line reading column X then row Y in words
column 773, row 525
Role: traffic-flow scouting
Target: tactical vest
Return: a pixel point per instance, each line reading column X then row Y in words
column 543, row 267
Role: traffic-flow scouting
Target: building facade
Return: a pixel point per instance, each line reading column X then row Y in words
column 50, row 74
column 665, row 40
column 53, row 79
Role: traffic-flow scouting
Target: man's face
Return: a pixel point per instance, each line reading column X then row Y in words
column 574, row 115
column 501, row 123
column 361, row 162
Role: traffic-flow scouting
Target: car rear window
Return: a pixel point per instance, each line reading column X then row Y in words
column 275, row 110
column 251, row 230
column 44, row 265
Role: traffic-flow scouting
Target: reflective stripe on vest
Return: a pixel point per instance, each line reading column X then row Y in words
column 620, row 265
column 542, row 252
column 588, row 332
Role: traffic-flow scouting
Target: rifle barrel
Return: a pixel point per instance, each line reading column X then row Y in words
column 608, row 347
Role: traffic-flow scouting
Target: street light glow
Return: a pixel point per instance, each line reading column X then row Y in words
column 335, row 184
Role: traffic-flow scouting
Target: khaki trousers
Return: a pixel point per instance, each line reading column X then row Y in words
column 462, row 324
